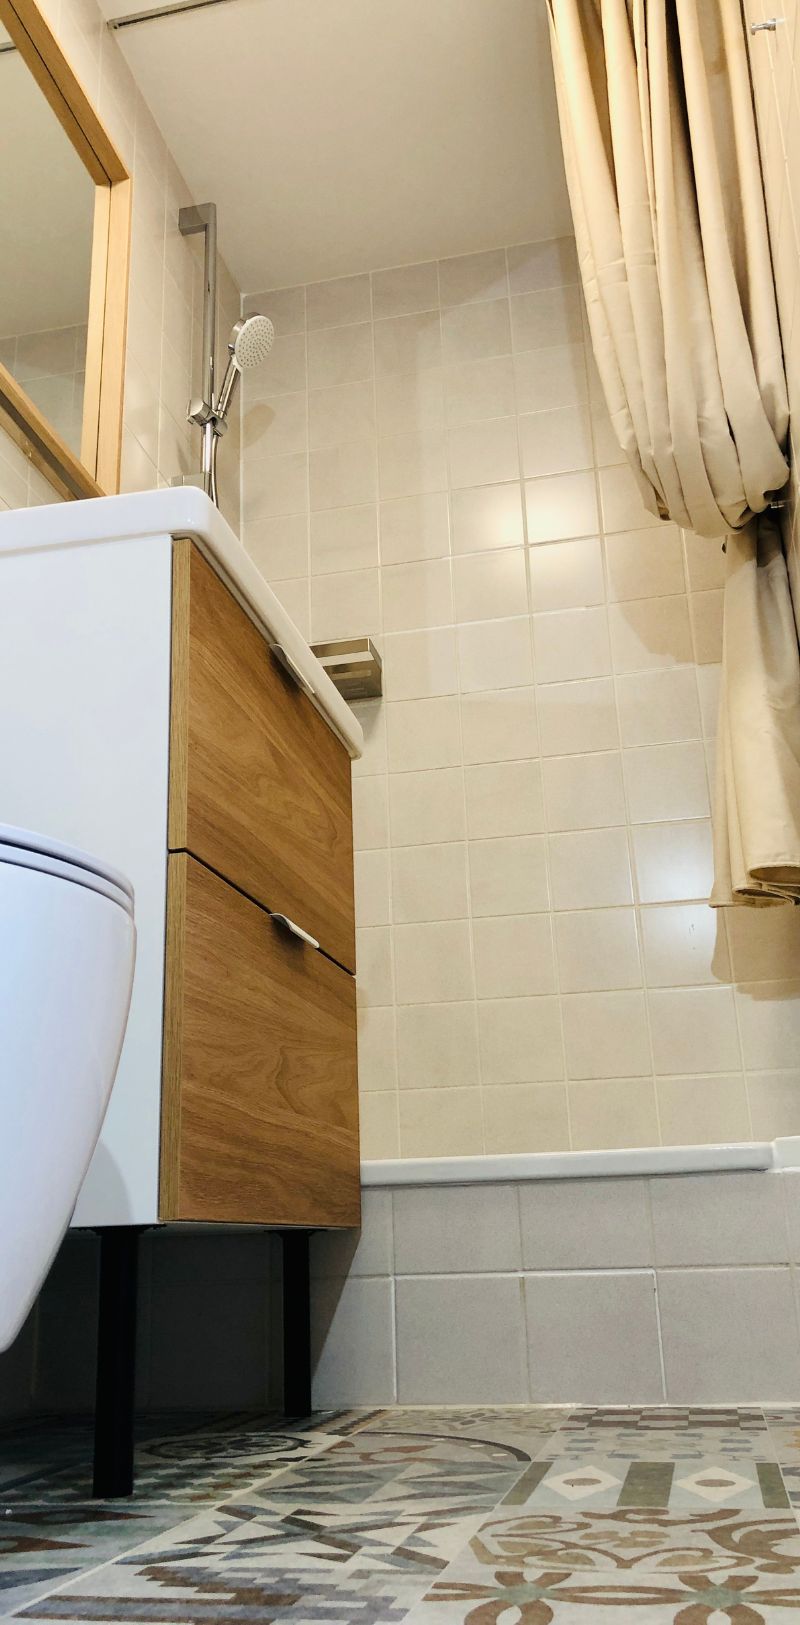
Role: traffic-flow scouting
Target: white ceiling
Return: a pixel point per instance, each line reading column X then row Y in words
column 46, row 211
column 343, row 135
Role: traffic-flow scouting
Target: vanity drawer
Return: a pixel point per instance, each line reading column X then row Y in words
column 260, row 1098
column 259, row 785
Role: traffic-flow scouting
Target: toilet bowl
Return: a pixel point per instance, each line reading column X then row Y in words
column 67, row 952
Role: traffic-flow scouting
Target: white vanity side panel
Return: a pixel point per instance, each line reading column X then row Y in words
column 85, row 636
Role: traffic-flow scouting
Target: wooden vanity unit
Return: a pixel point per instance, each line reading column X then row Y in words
column 259, row 1114
column 168, row 717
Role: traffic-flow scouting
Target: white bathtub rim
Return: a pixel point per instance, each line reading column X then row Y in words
column 756, row 1156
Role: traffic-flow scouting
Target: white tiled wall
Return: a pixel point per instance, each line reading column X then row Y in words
column 50, row 366
column 427, row 460
column 165, row 310
column 483, row 1294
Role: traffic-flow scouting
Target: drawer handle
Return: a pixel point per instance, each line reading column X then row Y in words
column 296, row 930
column 290, row 664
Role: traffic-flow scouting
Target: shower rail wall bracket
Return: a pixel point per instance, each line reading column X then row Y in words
column 353, row 665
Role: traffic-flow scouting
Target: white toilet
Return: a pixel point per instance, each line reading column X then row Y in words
column 67, row 952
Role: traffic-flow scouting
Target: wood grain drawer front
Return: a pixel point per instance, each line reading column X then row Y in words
column 259, row 786
column 260, row 1099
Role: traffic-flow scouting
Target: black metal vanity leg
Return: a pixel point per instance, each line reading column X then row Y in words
column 116, row 1362
column 296, row 1323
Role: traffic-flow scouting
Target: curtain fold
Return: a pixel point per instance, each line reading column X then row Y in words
column 664, row 178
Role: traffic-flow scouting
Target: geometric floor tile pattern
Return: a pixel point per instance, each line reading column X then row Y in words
column 433, row 1516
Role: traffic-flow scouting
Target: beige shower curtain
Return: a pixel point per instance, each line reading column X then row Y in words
column 665, row 185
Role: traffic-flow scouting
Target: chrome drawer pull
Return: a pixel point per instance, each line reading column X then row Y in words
column 296, row 930
column 290, row 664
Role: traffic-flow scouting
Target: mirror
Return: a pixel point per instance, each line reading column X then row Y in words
column 64, row 242
column 46, row 223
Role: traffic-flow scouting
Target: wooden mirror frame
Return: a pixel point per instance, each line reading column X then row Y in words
column 96, row 471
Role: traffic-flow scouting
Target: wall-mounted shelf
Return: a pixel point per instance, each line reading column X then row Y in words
column 353, row 665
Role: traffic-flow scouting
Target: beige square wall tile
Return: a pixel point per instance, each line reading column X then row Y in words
column 694, row 1030
column 549, row 264
column 429, row 883
column 513, row 956
column 283, row 370
column 590, row 868
column 427, row 806
column 412, row 464
column 345, row 605
column 769, row 1019
column 705, row 562
column 410, row 401
column 411, row 343
column 606, row 1035
column 374, row 968
column 279, row 547
column 571, row 643
column 666, row 781
column 584, row 792
column 373, row 900
column 659, row 707
column 343, row 476
column 415, row 527
column 552, row 378
column 644, row 563
column 380, row 1130
column 486, row 517
column 277, row 426
column 684, row 944
column 345, row 412
column 417, row 595
column 433, row 962
column 560, row 506
column 344, row 539
column 372, row 716
column 370, row 813
column 530, row 1114
column 437, row 1046
column 276, row 486
column 674, row 862
column 567, row 575
column 480, row 389
column 555, row 442
column 490, row 586
column 345, row 299
column 699, row 1110
column 419, row 665
column 405, row 289
column 339, row 355
column 621, row 502
column 469, row 277
column 499, row 726
column 295, row 595
column 647, row 633
column 474, row 332
column 495, row 654
column 520, row 1041
column 577, row 717
column 286, row 308
column 484, row 453
column 774, row 1100
column 508, row 876
column 503, row 798
column 613, row 1113
column 598, row 950
column 441, row 1122
column 546, row 316
column 377, row 1049
column 423, row 734
column 706, row 612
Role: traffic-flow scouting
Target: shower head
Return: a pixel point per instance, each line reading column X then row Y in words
column 251, row 341
column 249, row 344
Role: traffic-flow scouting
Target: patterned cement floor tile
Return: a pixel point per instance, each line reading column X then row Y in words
column 264, row 1563
column 606, row 1482
column 659, row 1443
column 42, row 1545
column 660, row 1565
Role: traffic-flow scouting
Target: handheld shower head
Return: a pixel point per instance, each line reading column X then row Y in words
column 250, row 342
